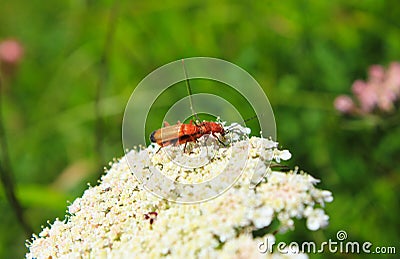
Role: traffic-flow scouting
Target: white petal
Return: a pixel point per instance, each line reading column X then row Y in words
column 285, row 155
column 313, row 224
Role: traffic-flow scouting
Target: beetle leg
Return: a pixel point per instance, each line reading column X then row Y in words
column 193, row 122
column 206, row 138
column 215, row 136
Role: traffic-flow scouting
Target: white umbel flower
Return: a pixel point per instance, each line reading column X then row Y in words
column 119, row 218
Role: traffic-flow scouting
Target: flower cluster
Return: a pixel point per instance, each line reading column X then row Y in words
column 120, row 219
column 379, row 92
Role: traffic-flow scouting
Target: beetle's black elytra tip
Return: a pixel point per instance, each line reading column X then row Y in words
column 152, row 138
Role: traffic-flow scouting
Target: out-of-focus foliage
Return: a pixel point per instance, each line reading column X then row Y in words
column 303, row 53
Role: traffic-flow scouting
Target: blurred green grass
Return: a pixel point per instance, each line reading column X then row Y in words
column 303, row 53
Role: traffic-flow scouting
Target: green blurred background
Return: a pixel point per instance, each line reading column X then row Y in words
column 84, row 58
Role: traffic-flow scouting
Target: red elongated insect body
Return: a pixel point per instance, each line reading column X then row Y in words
column 183, row 133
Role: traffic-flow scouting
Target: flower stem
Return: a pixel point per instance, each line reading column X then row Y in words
column 6, row 173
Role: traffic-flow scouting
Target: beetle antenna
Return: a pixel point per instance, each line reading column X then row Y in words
column 189, row 90
column 249, row 119
column 244, row 121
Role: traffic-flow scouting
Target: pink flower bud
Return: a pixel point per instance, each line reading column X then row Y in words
column 386, row 100
column 11, row 51
column 358, row 87
column 344, row 104
column 368, row 99
column 376, row 73
column 393, row 77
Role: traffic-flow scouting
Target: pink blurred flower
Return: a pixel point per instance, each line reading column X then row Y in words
column 344, row 103
column 386, row 100
column 376, row 73
column 358, row 87
column 11, row 51
column 365, row 94
column 393, row 78
column 380, row 91
column 368, row 98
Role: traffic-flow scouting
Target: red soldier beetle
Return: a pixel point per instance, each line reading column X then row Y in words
column 182, row 133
